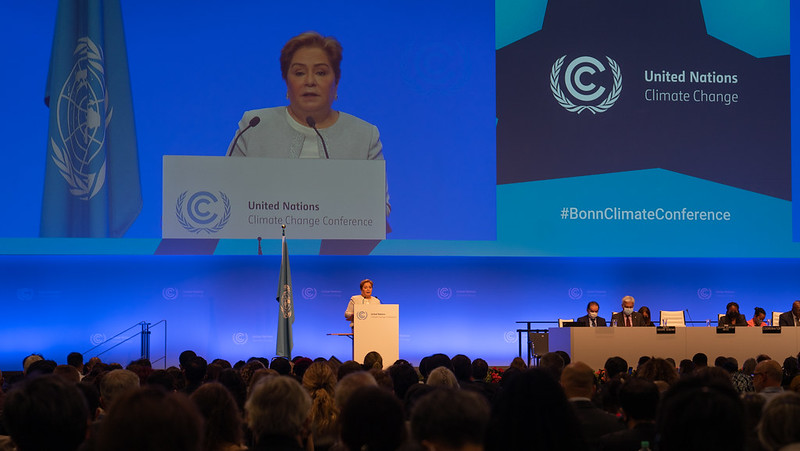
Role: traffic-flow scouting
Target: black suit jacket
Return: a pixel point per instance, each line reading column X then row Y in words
column 601, row 322
column 786, row 319
column 637, row 320
column 595, row 422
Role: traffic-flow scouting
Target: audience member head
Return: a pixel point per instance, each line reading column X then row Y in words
column 518, row 363
column 437, row 360
column 789, row 370
column 68, row 372
column 480, row 370
column 349, row 384
column 697, row 413
column 383, row 379
column 441, row 376
column 148, row 418
column 657, row 369
column 373, row 359
column 642, row 360
column 232, row 380
column 350, row 366
column 116, row 383
column 450, row 419
column 282, row 365
column 552, row 364
column 767, row 374
column 75, row 359
column 719, row 361
column 403, row 376
column 27, row 361
column 184, row 358
column 686, row 367
column 779, row 422
column 515, row 421
column 248, row 370
column 761, row 357
column 92, row 396
column 223, row 424
column 564, row 357
column 700, row 360
column 638, row 399
column 462, row 367
column 577, row 380
column 320, row 383
column 163, row 379
column 46, row 413
column 300, row 366
column 614, row 366
column 212, row 372
column 41, row 367
column 749, row 366
column 258, row 375
column 278, row 406
column 372, row 419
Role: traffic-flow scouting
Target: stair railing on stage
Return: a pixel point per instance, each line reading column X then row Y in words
column 144, row 334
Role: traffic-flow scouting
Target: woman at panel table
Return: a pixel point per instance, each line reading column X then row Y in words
column 310, row 66
column 732, row 316
column 365, row 298
column 758, row 318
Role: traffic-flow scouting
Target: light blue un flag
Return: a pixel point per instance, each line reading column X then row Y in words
column 286, row 306
column 91, row 186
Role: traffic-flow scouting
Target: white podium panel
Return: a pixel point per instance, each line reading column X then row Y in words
column 377, row 328
column 229, row 197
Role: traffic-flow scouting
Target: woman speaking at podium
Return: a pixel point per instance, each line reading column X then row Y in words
column 365, row 298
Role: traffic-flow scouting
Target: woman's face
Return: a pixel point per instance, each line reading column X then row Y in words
column 311, row 83
column 366, row 290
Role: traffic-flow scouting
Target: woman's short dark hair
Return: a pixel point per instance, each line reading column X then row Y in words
column 328, row 44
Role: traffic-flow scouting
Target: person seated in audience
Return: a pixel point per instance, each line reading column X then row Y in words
column 732, row 316
column 68, row 372
column 27, row 361
column 75, row 359
column 373, row 359
column 700, row 360
column 660, row 372
column 753, row 408
column 645, row 311
column 792, row 317
column 372, row 419
column 790, row 370
column 552, row 364
column 628, row 317
column 441, row 376
column 480, row 371
column 767, row 379
column 638, row 402
column 320, row 383
column 350, row 366
column 148, row 418
column 701, row 411
column 592, row 318
column 686, row 367
column 577, row 380
column 742, row 382
column 349, row 384
column 447, row 419
column 277, row 414
column 195, row 373
column 114, row 384
column 404, row 376
column 779, row 429
column 282, row 365
column 46, row 413
column 758, row 318
column 532, row 413
column 222, row 425
column 462, row 368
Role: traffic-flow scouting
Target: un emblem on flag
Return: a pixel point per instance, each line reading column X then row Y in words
column 203, row 211
column 82, row 115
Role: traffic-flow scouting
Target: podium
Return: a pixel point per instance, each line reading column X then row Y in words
column 377, row 328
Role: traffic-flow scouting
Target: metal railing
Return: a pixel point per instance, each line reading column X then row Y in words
column 144, row 332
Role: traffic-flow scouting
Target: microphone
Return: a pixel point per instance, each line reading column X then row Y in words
column 313, row 124
column 253, row 122
column 690, row 316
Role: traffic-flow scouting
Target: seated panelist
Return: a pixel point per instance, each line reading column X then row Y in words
column 732, row 316
column 628, row 317
column 591, row 319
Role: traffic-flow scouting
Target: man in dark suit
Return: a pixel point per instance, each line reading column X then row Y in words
column 628, row 317
column 732, row 316
column 792, row 317
column 577, row 379
column 591, row 319
column 638, row 399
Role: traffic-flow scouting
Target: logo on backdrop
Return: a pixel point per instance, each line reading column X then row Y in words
column 309, row 293
column 704, row 293
column 82, row 116
column 239, row 338
column 362, row 315
column 575, row 293
column 510, row 336
column 169, row 293
column 203, row 211
column 444, row 293
column 96, row 339
column 24, row 294
column 583, row 84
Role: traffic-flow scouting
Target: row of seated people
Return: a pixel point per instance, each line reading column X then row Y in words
column 445, row 404
column 629, row 317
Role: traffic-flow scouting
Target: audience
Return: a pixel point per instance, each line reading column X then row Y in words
column 459, row 407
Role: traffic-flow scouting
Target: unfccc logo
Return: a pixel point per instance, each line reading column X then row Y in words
column 204, row 210
column 580, row 79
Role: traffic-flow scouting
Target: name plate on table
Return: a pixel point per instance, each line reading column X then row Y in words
column 770, row 329
column 726, row 329
column 232, row 197
column 665, row 330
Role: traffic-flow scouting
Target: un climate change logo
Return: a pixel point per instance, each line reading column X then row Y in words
column 206, row 212
column 590, row 95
